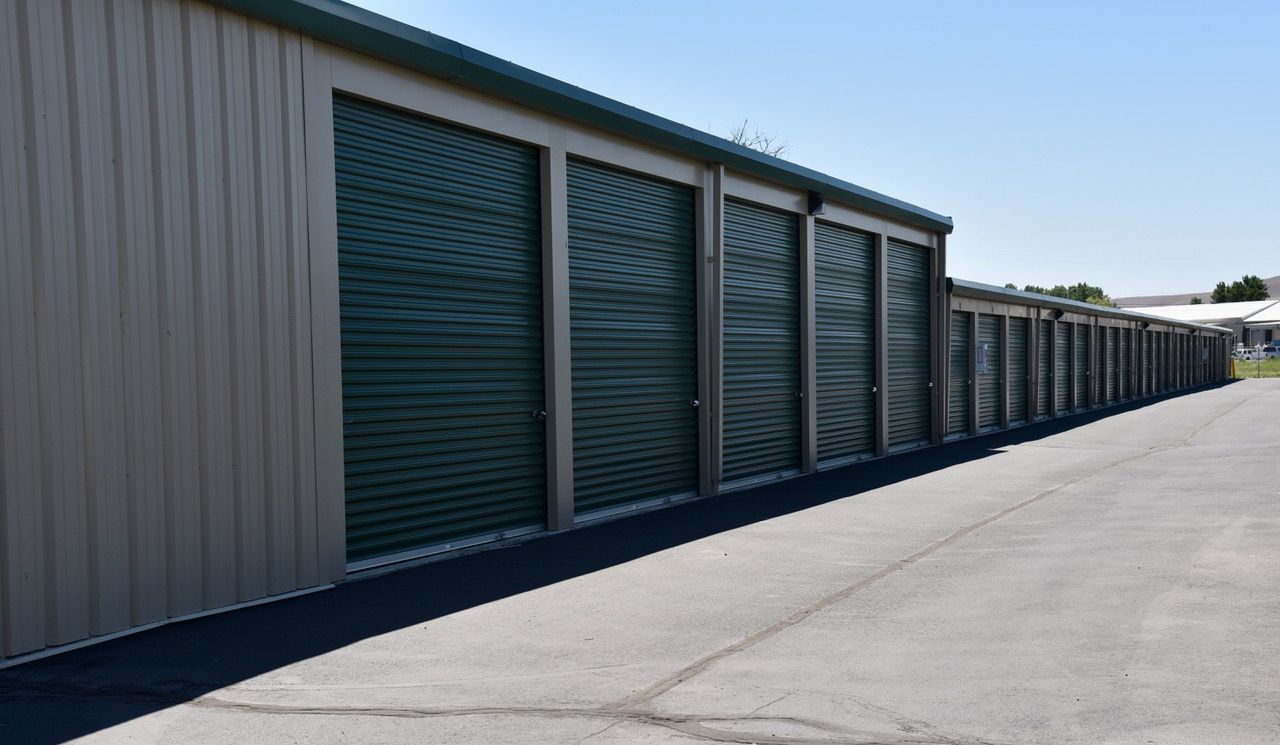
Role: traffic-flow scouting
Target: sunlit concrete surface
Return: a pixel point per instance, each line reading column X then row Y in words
column 1104, row 579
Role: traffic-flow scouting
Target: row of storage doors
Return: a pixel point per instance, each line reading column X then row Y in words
column 1064, row 367
column 440, row 290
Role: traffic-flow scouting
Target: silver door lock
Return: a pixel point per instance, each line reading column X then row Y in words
column 695, row 403
column 540, row 415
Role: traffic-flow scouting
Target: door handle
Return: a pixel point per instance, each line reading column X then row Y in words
column 539, row 415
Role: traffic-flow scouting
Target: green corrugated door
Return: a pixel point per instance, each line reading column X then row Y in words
column 990, row 383
column 1019, row 377
column 761, row 431
column 1044, row 392
column 1082, row 366
column 1100, row 368
column 958, row 380
column 909, row 340
column 1124, row 363
column 1165, row 362
column 1146, row 363
column 844, row 287
column 1062, row 369
column 1113, row 367
column 439, row 256
column 632, row 309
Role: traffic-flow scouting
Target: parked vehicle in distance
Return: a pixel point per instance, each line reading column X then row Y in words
column 1249, row 353
column 1270, row 351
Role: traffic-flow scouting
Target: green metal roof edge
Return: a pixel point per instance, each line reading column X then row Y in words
column 967, row 288
column 364, row 31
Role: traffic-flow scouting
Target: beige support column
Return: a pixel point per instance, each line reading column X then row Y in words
column 712, row 415
column 808, row 350
column 1004, row 371
column 326, row 339
column 709, row 237
column 882, row 344
column 556, row 354
column 940, row 337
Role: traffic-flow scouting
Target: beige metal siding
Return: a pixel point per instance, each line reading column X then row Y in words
column 156, row 425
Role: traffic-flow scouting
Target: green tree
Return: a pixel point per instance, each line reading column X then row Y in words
column 1081, row 291
column 1249, row 287
column 1196, row 301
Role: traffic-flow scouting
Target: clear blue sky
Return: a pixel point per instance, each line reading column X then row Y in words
column 1131, row 145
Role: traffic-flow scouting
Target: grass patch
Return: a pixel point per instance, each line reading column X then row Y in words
column 1264, row 369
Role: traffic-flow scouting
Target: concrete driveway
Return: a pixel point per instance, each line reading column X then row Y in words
column 1104, row 579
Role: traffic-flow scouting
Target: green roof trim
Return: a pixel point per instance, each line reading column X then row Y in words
column 367, row 32
column 981, row 291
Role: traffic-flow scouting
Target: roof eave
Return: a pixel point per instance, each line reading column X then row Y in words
column 401, row 44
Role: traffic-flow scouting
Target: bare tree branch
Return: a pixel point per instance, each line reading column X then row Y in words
column 756, row 139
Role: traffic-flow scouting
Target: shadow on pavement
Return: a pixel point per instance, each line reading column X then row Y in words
column 86, row 690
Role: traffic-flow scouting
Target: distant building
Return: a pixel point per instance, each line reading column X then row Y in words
column 1146, row 302
column 1253, row 322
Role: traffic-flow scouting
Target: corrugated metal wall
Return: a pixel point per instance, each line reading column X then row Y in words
column 991, row 382
column 1019, row 377
column 155, row 382
column 958, row 375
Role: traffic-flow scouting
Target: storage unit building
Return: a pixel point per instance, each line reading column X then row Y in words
column 318, row 292
column 1077, row 342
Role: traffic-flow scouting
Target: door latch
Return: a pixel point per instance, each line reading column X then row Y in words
column 539, row 415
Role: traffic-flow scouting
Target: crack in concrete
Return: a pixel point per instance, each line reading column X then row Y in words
column 629, row 709
column 706, row 662
column 692, row 725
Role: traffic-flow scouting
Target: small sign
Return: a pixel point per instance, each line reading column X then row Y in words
column 982, row 358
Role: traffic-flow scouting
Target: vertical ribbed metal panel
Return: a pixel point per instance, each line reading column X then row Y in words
column 1100, row 366
column 761, row 342
column 1082, row 366
column 439, row 256
column 632, row 311
column 155, row 379
column 1124, row 364
column 1062, row 370
column 1113, row 366
column 1019, row 375
column 1044, row 398
column 958, row 380
column 844, row 269
column 1146, row 363
column 991, row 383
column 909, row 334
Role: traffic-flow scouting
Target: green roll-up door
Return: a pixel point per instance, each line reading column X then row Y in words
column 439, row 256
column 1019, row 378
column 1100, row 368
column 1062, row 370
column 761, row 430
column 958, row 380
column 1044, row 357
column 909, row 340
column 1161, row 361
column 1124, row 364
column 844, row 287
column 1182, row 361
column 1113, row 367
column 632, row 311
column 991, row 382
column 1082, row 366
column 1147, row 371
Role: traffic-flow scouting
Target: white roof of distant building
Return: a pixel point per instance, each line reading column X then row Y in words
column 1266, row 317
column 1214, row 312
